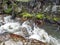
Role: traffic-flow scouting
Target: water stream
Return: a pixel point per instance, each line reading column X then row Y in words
column 37, row 33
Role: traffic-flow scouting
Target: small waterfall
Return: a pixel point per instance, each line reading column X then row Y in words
column 43, row 36
column 35, row 33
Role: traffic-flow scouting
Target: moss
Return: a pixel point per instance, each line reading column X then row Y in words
column 23, row 0
column 25, row 14
column 56, row 19
column 39, row 16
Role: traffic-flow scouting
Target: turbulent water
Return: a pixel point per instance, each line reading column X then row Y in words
column 37, row 33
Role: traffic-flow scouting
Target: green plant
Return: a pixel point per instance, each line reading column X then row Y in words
column 4, row 1
column 56, row 19
column 25, row 14
column 23, row 0
column 39, row 16
column 8, row 10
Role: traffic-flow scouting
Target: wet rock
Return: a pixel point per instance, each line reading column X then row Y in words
column 4, row 37
column 25, row 32
column 36, row 42
column 17, row 40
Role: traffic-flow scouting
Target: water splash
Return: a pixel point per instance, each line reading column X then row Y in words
column 35, row 33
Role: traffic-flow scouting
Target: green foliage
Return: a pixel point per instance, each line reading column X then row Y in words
column 23, row 0
column 17, row 9
column 48, row 17
column 56, row 19
column 5, row 1
column 8, row 10
column 25, row 14
column 15, row 5
column 39, row 16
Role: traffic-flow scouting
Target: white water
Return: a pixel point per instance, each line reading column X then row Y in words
column 35, row 33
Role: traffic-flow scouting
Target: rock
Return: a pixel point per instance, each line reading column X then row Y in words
column 36, row 42
column 4, row 37
column 18, row 40
column 33, row 41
